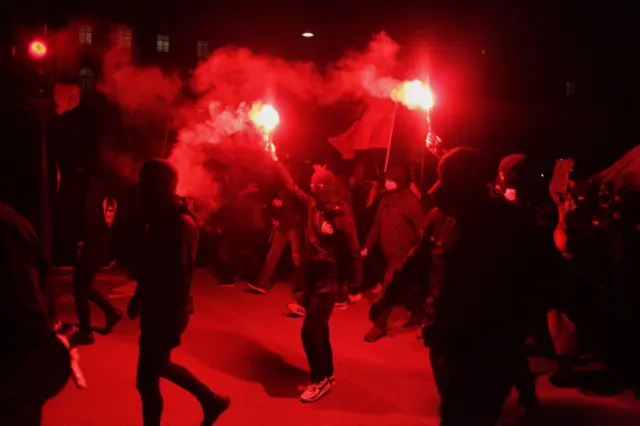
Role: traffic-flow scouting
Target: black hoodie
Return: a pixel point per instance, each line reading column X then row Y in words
column 328, row 227
column 165, row 271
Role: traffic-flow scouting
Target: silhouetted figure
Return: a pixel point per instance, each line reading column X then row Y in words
column 328, row 225
column 397, row 228
column 163, row 295
column 486, row 297
column 287, row 231
column 99, row 222
column 34, row 363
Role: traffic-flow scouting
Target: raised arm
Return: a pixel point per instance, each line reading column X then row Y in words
column 290, row 186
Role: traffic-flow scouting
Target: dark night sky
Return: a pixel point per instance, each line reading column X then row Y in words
column 533, row 47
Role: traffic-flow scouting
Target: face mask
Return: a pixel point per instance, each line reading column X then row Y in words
column 109, row 207
column 390, row 185
column 510, row 194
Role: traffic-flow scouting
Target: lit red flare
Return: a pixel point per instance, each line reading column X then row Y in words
column 414, row 95
column 265, row 117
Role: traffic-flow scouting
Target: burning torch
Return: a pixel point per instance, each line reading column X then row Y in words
column 266, row 118
column 418, row 95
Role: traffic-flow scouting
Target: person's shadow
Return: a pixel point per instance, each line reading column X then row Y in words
column 246, row 359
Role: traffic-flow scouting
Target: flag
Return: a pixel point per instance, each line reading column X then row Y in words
column 625, row 172
column 373, row 130
column 66, row 96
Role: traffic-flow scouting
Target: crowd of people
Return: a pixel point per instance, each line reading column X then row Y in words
column 489, row 268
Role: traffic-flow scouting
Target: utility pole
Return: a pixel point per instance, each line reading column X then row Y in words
column 41, row 100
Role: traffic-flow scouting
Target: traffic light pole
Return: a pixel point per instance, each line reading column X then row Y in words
column 44, row 109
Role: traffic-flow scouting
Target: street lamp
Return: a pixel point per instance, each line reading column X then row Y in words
column 307, row 34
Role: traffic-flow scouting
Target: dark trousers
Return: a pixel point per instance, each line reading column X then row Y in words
column 473, row 381
column 155, row 362
column 395, row 292
column 242, row 254
column 87, row 265
column 279, row 241
column 523, row 379
column 315, row 336
column 321, row 282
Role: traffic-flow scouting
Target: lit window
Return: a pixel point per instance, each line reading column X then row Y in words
column 203, row 49
column 571, row 89
column 163, row 43
column 87, row 80
column 124, row 37
column 85, row 35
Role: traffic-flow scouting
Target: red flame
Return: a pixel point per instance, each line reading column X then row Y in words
column 414, row 95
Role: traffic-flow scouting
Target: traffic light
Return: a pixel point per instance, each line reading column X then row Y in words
column 39, row 83
column 38, row 49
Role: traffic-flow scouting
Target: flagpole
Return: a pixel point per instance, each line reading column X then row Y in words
column 166, row 136
column 393, row 123
column 422, row 167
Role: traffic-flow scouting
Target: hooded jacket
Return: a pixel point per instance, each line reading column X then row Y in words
column 23, row 268
column 328, row 226
column 165, row 271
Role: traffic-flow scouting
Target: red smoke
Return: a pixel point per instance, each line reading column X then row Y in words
column 361, row 73
column 232, row 76
column 136, row 89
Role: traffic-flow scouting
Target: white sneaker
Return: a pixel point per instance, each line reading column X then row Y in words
column 355, row 298
column 296, row 309
column 316, row 391
column 76, row 373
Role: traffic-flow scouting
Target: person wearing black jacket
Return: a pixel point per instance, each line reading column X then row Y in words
column 34, row 362
column 327, row 224
column 163, row 295
column 489, row 268
column 397, row 228
column 287, row 230
column 100, row 213
column 520, row 184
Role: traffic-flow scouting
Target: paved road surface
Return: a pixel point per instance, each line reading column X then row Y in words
column 244, row 346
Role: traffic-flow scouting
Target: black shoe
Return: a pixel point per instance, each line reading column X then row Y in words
column 214, row 409
column 563, row 381
column 530, row 403
column 81, row 338
column 376, row 333
column 112, row 319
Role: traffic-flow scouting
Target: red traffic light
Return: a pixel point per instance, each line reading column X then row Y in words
column 38, row 49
